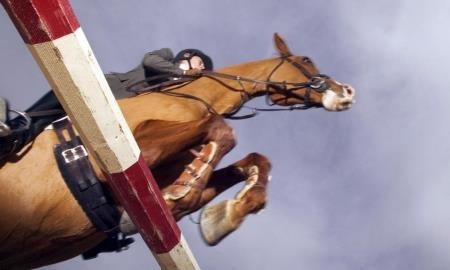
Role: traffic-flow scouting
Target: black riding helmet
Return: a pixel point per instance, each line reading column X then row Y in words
column 187, row 54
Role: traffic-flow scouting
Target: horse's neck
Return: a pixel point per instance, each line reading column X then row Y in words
column 202, row 96
column 227, row 93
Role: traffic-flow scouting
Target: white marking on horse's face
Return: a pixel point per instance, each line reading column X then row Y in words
column 335, row 102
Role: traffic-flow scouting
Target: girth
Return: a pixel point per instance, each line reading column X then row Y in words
column 74, row 165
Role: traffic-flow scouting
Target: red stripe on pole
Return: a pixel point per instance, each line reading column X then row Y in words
column 42, row 20
column 149, row 211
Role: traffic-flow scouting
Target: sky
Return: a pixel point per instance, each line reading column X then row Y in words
column 367, row 188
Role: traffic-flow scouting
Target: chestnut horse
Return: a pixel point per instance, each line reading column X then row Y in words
column 182, row 135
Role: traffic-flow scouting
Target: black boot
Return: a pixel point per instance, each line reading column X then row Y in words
column 13, row 138
column 10, row 144
column 48, row 102
column 24, row 128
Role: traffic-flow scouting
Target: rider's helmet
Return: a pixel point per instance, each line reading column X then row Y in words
column 187, row 54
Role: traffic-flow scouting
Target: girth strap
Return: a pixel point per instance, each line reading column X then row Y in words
column 74, row 165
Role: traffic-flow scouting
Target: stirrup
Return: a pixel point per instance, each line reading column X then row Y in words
column 5, row 130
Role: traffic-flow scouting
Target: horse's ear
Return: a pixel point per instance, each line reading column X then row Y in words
column 281, row 46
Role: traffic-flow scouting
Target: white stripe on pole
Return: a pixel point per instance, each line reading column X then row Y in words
column 69, row 65
column 57, row 42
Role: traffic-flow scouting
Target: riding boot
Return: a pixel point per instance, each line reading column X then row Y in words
column 11, row 143
column 18, row 136
column 38, row 124
column 45, row 103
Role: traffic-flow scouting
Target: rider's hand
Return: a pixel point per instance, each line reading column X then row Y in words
column 193, row 72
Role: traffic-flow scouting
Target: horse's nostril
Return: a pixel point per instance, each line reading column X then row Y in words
column 348, row 89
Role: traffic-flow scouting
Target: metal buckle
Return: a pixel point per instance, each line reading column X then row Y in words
column 316, row 82
column 74, row 154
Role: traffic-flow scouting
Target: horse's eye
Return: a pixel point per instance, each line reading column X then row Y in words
column 307, row 60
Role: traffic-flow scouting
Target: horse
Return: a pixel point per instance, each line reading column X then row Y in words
column 182, row 133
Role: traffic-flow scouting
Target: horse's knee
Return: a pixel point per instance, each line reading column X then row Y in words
column 221, row 132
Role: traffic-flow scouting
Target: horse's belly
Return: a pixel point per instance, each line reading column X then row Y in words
column 38, row 214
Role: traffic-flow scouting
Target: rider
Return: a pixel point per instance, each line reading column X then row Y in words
column 159, row 64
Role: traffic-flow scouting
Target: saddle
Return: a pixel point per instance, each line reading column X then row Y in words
column 17, row 132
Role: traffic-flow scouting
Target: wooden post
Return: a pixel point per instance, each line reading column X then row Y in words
column 54, row 36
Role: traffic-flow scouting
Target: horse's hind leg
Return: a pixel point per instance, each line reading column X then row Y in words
column 220, row 220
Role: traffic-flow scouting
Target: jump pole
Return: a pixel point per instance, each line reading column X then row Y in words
column 54, row 37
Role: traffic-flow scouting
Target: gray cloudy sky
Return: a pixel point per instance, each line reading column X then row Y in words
column 364, row 189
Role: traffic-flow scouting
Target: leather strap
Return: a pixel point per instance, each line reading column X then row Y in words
column 74, row 165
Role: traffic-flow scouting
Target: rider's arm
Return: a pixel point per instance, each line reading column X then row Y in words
column 161, row 61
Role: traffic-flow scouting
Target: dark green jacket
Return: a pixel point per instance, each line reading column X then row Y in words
column 154, row 63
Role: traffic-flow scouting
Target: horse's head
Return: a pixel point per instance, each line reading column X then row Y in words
column 298, row 81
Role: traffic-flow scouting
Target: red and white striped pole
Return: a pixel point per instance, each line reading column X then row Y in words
column 54, row 36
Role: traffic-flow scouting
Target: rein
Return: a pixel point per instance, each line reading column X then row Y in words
column 280, row 86
column 316, row 83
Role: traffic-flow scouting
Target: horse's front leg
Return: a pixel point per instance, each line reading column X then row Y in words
column 220, row 220
column 167, row 147
column 184, row 195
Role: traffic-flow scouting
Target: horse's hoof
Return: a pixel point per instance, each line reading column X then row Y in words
column 217, row 221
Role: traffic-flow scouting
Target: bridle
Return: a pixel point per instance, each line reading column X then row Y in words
column 316, row 82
